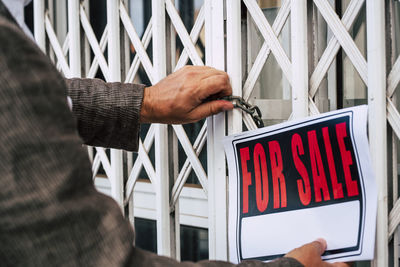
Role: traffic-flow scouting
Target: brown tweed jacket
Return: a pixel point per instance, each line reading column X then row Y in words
column 50, row 212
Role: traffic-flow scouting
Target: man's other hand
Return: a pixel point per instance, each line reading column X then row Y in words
column 186, row 96
column 310, row 255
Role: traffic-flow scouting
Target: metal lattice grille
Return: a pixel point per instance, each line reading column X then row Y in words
column 287, row 41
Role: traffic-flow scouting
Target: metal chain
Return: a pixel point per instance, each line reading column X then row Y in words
column 253, row 110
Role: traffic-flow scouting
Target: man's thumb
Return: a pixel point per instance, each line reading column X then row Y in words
column 319, row 245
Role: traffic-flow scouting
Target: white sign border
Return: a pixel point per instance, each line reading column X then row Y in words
column 358, row 116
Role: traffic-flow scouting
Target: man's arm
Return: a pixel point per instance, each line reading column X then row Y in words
column 107, row 113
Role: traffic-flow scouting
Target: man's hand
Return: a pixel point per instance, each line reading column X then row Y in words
column 310, row 255
column 186, row 96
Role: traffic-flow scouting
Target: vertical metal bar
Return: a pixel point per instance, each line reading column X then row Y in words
column 60, row 21
column 173, row 148
column 210, row 136
column 126, row 59
column 131, row 211
column 129, row 162
column 285, row 41
column 217, row 197
column 87, row 62
column 161, row 134
column 299, row 58
column 74, row 38
column 175, row 222
column 233, row 61
column 174, row 215
column 392, row 173
column 39, row 31
column 234, row 68
column 125, row 64
column 395, row 147
column 114, row 63
column 395, row 184
column 86, row 48
column 50, row 12
column 113, row 40
column 377, row 119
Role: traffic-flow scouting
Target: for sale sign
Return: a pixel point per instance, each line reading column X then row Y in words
column 294, row 182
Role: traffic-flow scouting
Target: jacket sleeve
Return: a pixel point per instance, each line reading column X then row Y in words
column 144, row 258
column 107, row 113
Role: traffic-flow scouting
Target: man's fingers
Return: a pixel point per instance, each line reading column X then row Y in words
column 212, row 72
column 203, row 72
column 213, row 85
column 210, row 108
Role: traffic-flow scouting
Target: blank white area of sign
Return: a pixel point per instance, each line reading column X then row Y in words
column 278, row 233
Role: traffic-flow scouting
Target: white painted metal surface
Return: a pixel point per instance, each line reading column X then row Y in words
column 114, row 63
column 394, row 122
column 161, row 134
column 299, row 58
column 74, row 39
column 168, row 187
column 217, row 197
column 38, row 27
column 233, row 61
column 377, row 119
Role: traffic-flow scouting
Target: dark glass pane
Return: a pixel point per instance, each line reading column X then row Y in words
column 146, row 234
column 194, row 243
column 29, row 16
column 98, row 17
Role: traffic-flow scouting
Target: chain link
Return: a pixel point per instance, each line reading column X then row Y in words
column 253, row 110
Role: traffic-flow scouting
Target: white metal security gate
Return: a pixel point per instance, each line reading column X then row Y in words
column 292, row 40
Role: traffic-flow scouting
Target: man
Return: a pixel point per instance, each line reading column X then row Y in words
column 50, row 212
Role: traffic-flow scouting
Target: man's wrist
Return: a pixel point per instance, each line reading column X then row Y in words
column 145, row 110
